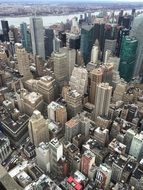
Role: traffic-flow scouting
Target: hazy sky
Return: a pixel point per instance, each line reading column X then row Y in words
column 70, row 1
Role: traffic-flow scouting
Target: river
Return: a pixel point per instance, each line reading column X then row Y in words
column 47, row 20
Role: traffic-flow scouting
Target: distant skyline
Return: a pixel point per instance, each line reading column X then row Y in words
column 54, row 1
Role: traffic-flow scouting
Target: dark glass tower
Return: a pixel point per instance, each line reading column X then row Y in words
column 128, row 58
column 5, row 29
column 87, row 41
column 122, row 33
column 26, row 37
column 49, row 36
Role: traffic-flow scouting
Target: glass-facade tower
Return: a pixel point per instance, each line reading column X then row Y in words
column 26, row 37
column 87, row 41
column 128, row 57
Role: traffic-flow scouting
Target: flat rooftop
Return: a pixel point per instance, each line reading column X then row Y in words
column 15, row 127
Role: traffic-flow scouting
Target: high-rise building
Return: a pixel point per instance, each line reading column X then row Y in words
column 23, row 62
column 77, row 129
column 118, row 168
column 38, row 128
column 87, row 160
column 5, row 29
column 102, row 99
column 26, row 37
column 49, row 36
column 60, row 68
column 57, row 113
column 79, row 80
column 110, row 45
column 103, row 176
column 128, row 58
column 56, row 44
column 87, row 41
column 74, row 103
column 136, row 149
column 115, row 77
column 71, row 60
column 62, row 37
column 37, row 36
column 129, row 135
column 119, row 91
column 6, row 181
column 14, row 34
column 73, row 41
column 136, row 32
column 5, row 149
column 101, row 135
column 122, row 33
column 79, row 58
column 39, row 63
column 42, row 156
column 95, row 52
column 72, row 129
column 95, row 78
column 75, row 28
column 107, row 72
column 45, row 86
column 56, row 152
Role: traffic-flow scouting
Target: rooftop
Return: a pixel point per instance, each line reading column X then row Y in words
column 72, row 123
column 74, row 183
column 13, row 126
column 33, row 97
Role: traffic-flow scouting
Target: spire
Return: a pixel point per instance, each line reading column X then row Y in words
column 96, row 42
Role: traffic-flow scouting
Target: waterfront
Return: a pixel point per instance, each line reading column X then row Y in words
column 47, row 20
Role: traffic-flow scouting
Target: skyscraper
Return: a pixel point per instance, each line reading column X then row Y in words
column 42, row 156
column 136, row 148
column 72, row 129
column 60, row 68
column 121, row 34
column 137, row 32
column 95, row 52
column 95, row 78
column 37, row 36
column 49, row 36
column 87, row 40
column 26, row 37
column 23, row 62
column 128, row 58
column 57, row 113
column 87, row 160
column 56, row 152
column 5, row 29
column 109, row 45
column 38, row 128
column 79, row 80
column 74, row 103
column 102, row 99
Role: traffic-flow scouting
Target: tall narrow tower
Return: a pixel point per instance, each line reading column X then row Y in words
column 102, row 99
column 37, row 36
column 95, row 52
column 38, row 128
column 23, row 61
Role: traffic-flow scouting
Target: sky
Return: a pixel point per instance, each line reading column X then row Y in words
column 70, row 1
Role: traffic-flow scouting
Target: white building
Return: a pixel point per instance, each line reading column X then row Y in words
column 79, row 80
column 102, row 99
column 42, row 156
column 56, row 152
